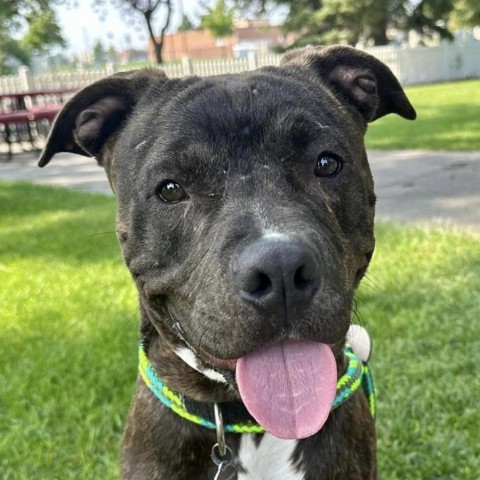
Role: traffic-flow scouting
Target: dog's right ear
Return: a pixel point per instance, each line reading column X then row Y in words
column 357, row 78
column 96, row 112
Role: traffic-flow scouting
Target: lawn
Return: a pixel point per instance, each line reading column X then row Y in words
column 69, row 335
column 447, row 119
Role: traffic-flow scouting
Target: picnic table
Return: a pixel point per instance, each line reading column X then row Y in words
column 22, row 111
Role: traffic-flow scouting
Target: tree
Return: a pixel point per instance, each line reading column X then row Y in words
column 430, row 16
column 148, row 9
column 219, row 20
column 111, row 54
column 99, row 53
column 465, row 14
column 186, row 24
column 364, row 21
column 27, row 27
column 43, row 31
column 334, row 21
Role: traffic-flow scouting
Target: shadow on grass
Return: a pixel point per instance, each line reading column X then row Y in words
column 57, row 225
column 23, row 199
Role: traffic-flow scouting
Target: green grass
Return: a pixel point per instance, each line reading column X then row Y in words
column 68, row 342
column 447, row 119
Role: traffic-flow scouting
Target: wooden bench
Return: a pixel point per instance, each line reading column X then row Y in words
column 24, row 109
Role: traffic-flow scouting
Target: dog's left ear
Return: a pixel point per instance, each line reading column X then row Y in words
column 361, row 79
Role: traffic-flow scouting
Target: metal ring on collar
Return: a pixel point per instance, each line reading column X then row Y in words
column 222, row 447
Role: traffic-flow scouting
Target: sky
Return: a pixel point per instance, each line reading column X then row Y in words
column 82, row 25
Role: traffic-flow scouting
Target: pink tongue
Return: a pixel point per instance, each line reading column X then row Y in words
column 289, row 387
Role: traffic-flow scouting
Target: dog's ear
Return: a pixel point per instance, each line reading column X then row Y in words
column 96, row 112
column 361, row 79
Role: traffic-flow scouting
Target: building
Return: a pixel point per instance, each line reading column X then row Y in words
column 193, row 44
column 131, row 55
column 249, row 36
column 259, row 37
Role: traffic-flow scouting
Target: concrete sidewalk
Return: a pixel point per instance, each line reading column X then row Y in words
column 441, row 188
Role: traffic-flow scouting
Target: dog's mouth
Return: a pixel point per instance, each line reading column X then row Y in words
column 288, row 386
column 202, row 361
column 219, row 363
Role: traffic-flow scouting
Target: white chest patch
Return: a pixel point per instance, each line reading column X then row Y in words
column 270, row 460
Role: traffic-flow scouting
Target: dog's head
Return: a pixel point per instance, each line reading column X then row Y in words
column 245, row 202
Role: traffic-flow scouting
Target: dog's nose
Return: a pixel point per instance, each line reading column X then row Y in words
column 277, row 275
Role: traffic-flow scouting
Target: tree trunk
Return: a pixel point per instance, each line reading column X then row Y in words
column 158, row 52
column 157, row 46
column 164, row 29
column 379, row 37
column 378, row 28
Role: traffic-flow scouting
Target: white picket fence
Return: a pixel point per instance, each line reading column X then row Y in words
column 448, row 61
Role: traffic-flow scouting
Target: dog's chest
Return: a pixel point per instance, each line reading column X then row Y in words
column 271, row 459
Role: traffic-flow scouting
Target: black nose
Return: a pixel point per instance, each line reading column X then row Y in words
column 277, row 275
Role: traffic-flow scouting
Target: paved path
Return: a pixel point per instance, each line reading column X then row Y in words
column 412, row 186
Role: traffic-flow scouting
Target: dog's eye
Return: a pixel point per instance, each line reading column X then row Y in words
column 170, row 191
column 328, row 165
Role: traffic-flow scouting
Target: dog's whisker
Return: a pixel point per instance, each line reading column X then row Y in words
column 100, row 233
column 373, row 281
column 358, row 316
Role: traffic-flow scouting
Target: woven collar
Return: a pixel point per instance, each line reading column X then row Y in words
column 236, row 418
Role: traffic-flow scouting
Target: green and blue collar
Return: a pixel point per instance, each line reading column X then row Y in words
column 237, row 419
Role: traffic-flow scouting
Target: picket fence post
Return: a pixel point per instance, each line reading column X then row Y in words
column 110, row 68
column 26, row 78
column 252, row 60
column 187, row 67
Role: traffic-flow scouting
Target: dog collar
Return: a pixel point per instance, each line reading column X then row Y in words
column 237, row 419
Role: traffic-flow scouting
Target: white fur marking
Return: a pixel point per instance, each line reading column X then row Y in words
column 190, row 359
column 271, row 460
column 277, row 235
column 360, row 341
column 140, row 144
column 213, row 375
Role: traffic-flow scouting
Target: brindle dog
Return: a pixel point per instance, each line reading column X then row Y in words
column 245, row 216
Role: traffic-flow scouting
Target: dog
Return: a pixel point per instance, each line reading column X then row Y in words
column 246, row 218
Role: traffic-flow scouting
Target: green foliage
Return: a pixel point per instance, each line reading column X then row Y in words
column 219, row 20
column 186, row 24
column 465, row 14
column 430, row 16
column 349, row 22
column 27, row 27
column 367, row 21
column 11, row 48
column 43, row 31
column 447, row 120
column 68, row 342
column 100, row 55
